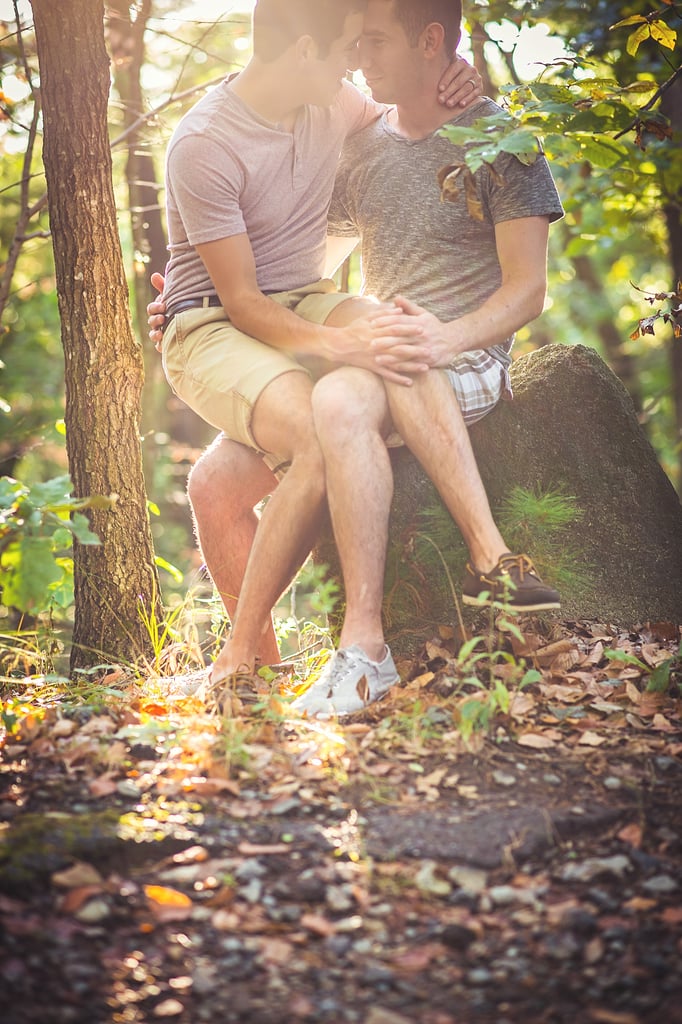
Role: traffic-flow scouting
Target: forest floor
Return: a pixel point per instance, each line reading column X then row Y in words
column 458, row 854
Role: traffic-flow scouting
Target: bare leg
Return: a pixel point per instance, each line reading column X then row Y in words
column 350, row 411
column 430, row 422
column 224, row 486
column 282, row 421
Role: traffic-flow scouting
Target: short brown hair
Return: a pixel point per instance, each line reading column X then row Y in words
column 415, row 15
column 279, row 23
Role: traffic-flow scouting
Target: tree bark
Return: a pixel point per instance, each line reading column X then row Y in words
column 671, row 106
column 126, row 44
column 104, row 372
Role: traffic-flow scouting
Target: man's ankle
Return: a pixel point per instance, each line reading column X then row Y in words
column 374, row 649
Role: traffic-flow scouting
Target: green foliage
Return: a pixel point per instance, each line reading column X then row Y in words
column 661, row 677
column 530, row 520
column 37, row 527
column 538, row 522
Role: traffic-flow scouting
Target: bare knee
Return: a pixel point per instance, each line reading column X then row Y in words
column 228, row 478
column 348, row 401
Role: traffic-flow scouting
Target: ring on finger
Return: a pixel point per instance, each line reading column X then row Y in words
column 472, row 83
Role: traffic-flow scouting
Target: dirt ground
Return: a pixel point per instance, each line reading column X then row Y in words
column 407, row 866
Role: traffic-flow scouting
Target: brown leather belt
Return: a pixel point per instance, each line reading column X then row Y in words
column 180, row 307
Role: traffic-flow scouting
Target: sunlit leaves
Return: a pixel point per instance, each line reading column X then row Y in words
column 37, row 526
column 651, row 26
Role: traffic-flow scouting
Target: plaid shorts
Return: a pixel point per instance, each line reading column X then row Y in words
column 479, row 381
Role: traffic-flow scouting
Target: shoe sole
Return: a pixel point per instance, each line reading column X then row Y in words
column 323, row 716
column 347, row 714
column 539, row 606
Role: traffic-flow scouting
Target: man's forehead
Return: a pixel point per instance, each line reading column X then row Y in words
column 379, row 18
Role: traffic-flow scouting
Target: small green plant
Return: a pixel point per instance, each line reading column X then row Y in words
column 486, row 692
column 531, row 520
column 660, row 678
column 537, row 522
column 232, row 744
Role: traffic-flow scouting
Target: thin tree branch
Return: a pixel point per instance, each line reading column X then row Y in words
column 661, row 91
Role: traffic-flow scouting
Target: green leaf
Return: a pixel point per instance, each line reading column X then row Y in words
column 463, row 136
column 80, row 527
column 602, row 152
column 467, row 648
column 625, row 658
column 172, row 569
column 522, row 144
column 30, row 570
column 51, row 492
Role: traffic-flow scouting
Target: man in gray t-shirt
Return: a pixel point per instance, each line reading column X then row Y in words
column 477, row 279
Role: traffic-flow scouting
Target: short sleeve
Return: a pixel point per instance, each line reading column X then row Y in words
column 206, row 189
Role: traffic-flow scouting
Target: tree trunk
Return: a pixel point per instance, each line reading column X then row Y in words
column 126, row 44
column 671, row 106
column 104, row 372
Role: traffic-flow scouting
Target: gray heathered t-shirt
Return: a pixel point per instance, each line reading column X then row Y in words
column 228, row 171
column 433, row 252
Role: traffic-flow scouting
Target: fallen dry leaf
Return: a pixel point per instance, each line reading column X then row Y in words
column 78, row 875
column 168, row 904
column 591, row 739
column 631, row 834
column 521, row 704
column 259, row 850
column 74, row 899
column 318, row 925
column 104, row 785
column 602, row 1016
column 537, row 740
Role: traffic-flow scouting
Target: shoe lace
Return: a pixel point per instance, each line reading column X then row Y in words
column 521, row 563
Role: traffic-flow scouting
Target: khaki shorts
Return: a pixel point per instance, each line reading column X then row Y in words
column 219, row 372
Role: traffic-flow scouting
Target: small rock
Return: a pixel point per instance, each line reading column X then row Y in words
column 379, row 1015
column 471, row 880
column 349, row 924
column 504, row 778
column 249, row 870
column 580, row 921
column 93, row 912
column 339, row 898
column 457, row 936
column 660, row 884
column 593, row 867
column 551, row 779
column 129, row 788
column 503, row 895
column 427, row 881
column 480, row 976
column 253, row 891
column 560, row 945
column 612, row 782
column 292, row 803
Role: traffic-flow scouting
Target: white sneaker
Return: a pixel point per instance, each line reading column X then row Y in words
column 185, row 685
column 349, row 682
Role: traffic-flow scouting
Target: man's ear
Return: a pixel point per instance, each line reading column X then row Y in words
column 306, row 49
column 432, row 40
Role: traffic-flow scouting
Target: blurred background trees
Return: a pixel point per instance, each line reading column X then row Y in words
column 609, row 111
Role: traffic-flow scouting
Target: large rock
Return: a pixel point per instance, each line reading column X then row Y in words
column 571, row 427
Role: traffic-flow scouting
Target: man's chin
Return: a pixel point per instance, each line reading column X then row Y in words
column 376, row 88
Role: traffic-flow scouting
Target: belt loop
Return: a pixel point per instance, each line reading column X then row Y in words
column 206, row 302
